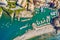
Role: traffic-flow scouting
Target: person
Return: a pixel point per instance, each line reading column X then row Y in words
column 56, row 22
column 53, row 4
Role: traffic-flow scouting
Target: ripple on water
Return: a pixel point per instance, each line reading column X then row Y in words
column 1, row 27
column 58, row 36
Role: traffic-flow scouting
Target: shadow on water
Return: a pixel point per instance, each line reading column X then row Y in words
column 5, row 11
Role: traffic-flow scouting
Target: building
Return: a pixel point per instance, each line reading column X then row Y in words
column 27, row 4
column 22, row 3
column 11, row 0
column 3, row 2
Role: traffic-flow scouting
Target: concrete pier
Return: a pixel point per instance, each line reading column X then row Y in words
column 33, row 33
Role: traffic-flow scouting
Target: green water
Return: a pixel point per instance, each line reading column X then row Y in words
column 10, row 29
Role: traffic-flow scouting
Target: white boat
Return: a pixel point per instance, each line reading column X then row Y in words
column 25, row 20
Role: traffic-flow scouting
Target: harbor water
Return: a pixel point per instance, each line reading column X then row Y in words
column 9, row 29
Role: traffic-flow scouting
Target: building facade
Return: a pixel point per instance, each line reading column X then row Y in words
column 3, row 2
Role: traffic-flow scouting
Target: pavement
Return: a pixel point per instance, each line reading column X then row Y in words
column 33, row 33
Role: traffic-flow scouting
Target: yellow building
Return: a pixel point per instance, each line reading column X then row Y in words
column 11, row 0
column 1, row 12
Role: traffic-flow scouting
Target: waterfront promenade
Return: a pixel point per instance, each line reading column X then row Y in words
column 33, row 33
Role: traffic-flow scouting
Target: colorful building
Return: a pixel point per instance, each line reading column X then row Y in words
column 27, row 4
column 11, row 3
column 3, row 2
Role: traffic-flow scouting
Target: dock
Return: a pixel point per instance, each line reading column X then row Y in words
column 33, row 33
